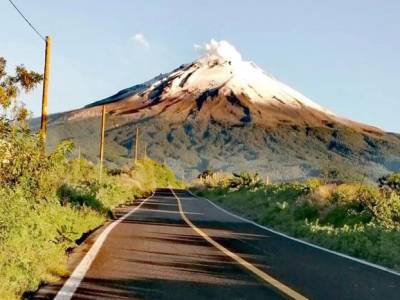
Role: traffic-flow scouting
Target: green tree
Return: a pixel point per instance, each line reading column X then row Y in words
column 11, row 85
column 19, row 152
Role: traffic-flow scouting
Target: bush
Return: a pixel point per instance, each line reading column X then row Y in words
column 81, row 195
column 384, row 209
column 206, row 174
column 245, row 180
column 346, row 214
column 314, row 182
column 306, row 211
column 391, row 181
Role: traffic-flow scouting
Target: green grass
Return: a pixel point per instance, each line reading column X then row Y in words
column 48, row 202
column 353, row 218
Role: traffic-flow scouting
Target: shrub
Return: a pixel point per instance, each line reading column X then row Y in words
column 306, row 211
column 80, row 195
column 391, row 181
column 346, row 214
column 322, row 194
column 245, row 180
column 206, row 174
column 214, row 179
column 384, row 210
column 314, row 182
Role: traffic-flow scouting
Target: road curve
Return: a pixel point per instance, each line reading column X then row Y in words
column 160, row 252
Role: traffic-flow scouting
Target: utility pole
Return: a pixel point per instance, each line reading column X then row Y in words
column 47, row 40
column 43, row 123
column 103, row 126
column 136, row 144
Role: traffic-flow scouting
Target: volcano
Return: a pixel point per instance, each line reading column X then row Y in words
column 223, row 113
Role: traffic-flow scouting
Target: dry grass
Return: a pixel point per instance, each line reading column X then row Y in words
column 217, row 179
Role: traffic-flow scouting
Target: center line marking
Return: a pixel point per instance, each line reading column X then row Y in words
column 264, row 276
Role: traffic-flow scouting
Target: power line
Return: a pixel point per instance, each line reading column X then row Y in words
column 27, row 21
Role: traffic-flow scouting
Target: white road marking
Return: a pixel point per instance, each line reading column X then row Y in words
column 169, row 211
column 361, row 261
column 73, row 282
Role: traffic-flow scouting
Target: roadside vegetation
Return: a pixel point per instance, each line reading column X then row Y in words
column 49, row 201
column 357, row 218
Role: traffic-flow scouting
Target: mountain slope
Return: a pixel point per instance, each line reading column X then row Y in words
column 226, row 113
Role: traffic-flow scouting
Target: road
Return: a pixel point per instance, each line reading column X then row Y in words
column 176, row 246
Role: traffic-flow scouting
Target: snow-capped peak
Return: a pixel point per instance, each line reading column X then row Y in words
column 222, row 87
column 244, row 75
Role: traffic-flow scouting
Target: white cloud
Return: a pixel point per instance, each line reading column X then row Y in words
column 197, row 47
column 221, row 50
column 141, row 40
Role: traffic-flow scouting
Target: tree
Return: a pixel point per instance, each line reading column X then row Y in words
column 19, row 152
column 12, row 111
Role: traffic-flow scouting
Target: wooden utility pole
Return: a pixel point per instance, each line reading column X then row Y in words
column 103, row 127
column 136, row 144
column 145, row 151
column 43, row 124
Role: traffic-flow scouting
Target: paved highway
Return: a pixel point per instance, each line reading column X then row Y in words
column 176, row 246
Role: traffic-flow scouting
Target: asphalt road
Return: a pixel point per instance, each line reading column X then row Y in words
column 156, row 254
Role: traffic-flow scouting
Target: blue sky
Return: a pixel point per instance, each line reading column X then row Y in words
column 341, row 54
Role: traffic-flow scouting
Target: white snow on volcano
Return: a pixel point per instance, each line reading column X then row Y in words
column 246, row 76
column 220, row 86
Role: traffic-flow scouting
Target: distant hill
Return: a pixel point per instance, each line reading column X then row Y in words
column 225, row 113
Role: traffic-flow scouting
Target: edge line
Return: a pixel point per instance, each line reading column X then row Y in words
column 70, row 286
column 359, row 260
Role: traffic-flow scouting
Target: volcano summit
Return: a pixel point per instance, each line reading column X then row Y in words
column 224, row 113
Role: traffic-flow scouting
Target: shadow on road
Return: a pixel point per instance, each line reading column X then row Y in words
column 153, row 254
